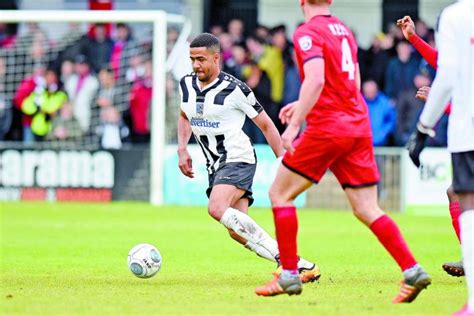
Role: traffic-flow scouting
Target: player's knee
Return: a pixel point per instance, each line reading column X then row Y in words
column 367, row 214
column 276, row 197
column 358, row 213
column 216, row 210
column 452, row 197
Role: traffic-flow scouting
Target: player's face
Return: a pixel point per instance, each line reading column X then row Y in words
column 205, row 62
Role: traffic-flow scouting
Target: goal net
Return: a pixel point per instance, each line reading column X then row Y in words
column 89, row 81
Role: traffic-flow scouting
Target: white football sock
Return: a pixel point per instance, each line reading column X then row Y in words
column 244, row 226
column 303, row 263
column 260, row 251
column 467, row 244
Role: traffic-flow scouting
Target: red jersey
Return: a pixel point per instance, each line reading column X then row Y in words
column 340, row 110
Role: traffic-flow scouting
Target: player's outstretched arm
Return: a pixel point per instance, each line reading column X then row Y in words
column 184, row 134
column 407, row 26
column 270, row 132
column 440, row 91
column 443, row 84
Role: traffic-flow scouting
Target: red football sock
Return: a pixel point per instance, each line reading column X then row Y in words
column 455, row 211
column 286, row 224
column 391, row 238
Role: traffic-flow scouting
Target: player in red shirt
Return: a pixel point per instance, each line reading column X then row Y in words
column 337, row 137
column 430, row 54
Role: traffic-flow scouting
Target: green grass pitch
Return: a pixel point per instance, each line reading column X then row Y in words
column 70, row 259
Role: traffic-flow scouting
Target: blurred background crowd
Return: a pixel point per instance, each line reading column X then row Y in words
column 95, row 85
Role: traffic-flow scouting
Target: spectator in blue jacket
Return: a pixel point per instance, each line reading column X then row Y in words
column 383, row 116
column 401, row 71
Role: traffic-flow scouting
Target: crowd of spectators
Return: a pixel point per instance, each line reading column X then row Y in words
column 90, row 86
column 391, row 72
column 98, row 84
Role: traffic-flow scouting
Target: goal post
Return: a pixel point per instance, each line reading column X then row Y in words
column 160, row 64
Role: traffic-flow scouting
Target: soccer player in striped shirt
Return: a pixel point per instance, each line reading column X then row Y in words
column 214, row 105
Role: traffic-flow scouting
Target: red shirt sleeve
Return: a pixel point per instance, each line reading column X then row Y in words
column 307, row 45
column 429, row 53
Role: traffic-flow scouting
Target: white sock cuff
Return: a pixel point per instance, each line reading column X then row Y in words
column 228, row 214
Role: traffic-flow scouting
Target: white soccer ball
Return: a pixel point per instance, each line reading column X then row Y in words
column 144, row 260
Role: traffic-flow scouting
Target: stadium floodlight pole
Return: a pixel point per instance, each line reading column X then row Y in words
column 159, row 20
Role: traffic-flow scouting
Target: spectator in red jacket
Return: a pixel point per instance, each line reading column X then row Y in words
column 140, row 105
column 27, row 86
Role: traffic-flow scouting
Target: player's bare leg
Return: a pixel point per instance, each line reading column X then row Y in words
column 308, row 271
column 454, row 268
column 285, row 188
column 365, row 207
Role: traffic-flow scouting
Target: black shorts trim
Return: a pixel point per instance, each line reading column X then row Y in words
column 299, row 173
column 355, row 186
column 247, row 194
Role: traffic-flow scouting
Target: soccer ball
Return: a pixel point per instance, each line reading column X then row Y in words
column 144, row 260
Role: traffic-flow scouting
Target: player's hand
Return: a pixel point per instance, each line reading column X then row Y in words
column 422, row 93
column 185, row 163
column 407, row 26
column 417, row 143
column 286, row 112
column 289, row 136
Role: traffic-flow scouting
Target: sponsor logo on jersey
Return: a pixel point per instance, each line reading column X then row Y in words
column 200, row 122
column 199, row 108
column 305, row 43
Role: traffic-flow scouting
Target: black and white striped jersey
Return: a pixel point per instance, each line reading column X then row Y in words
column 217, row 114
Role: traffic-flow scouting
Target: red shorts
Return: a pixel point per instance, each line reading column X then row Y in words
column 351, row 159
